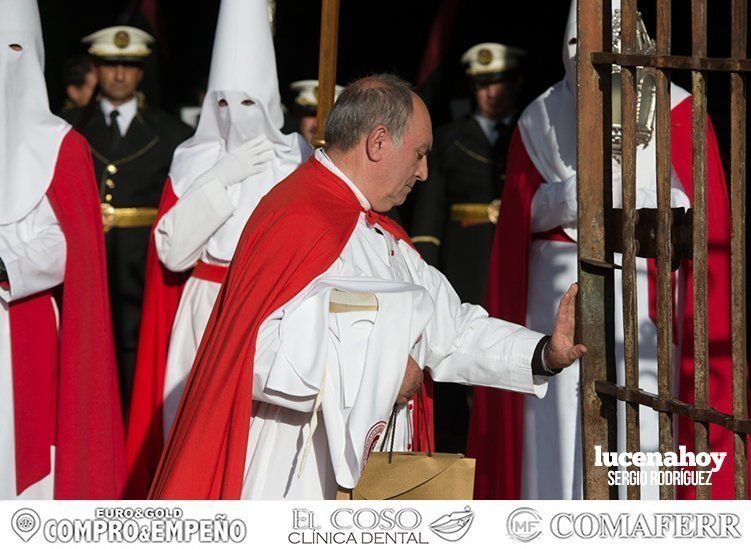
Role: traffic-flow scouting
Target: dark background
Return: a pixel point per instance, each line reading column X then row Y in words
column 374, row 36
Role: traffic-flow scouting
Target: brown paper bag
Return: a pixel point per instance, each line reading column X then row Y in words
column 413, row 475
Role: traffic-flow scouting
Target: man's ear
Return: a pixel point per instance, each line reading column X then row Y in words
column 140, row 75
column 376, row 141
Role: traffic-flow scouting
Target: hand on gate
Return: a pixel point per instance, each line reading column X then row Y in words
column 410, row 383
column 561, row 351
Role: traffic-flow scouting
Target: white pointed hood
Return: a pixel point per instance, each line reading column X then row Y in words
column 30, row 135
column 548, row 125
column 243, row 66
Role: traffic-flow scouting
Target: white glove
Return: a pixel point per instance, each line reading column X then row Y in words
column 250, row 158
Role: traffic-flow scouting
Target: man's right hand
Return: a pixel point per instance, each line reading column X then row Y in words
column 250, row 158
column 410, row 383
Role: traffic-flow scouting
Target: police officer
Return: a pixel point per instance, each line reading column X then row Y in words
column 132, row 146
column 306, row 106
column 456, row 209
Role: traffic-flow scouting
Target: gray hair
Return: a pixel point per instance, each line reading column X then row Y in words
column 379, row 99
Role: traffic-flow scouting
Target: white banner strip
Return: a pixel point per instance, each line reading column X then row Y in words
column 435, row 523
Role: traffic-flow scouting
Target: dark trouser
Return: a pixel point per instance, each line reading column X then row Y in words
column 451, row 416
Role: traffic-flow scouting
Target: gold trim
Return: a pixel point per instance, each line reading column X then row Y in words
column 124, row 159
column 476, row 212
column 473, row 154
column 136, row 154
column 425, row 238
column 127, row 218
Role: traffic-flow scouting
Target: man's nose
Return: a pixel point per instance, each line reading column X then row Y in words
column 422, row 169
column 119, row 72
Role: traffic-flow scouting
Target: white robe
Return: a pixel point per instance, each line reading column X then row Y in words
column 33, row 251
column 458, row 342
column 181, row 238
column 552, row 458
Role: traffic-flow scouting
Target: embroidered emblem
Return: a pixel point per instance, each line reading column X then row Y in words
column 371, row 439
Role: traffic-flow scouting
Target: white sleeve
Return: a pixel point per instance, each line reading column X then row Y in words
column 35, row 259
column 182, row 233
column 553, row 205
column 467, row 346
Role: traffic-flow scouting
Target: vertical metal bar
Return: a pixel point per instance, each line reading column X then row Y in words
column 664, row 248
column 628, row 184
column 593, row 160
column 738, row 286
column 699, row 128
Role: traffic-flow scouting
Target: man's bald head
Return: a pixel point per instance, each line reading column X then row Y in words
column 380, row 99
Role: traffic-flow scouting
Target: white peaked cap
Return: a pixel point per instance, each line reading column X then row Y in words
column 491, row 58
column 119, row 43
column 307, row 92
column 243, row 57
column 30, row 135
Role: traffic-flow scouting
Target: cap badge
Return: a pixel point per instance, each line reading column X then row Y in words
column 122, row 39
column 484, row 56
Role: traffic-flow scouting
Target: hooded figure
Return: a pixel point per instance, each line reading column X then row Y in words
column 60, row 427
column 536, row 452
column 217, row 178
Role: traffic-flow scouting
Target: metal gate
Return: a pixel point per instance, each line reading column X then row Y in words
column 596, row 233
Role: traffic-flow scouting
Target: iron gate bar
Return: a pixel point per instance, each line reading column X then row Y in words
column 628, row 186
column 596, row 265
column 664, row 249
column 677, row 62
column 699, row 129
column 674, row 406
column 595, row 284
column 738, row 49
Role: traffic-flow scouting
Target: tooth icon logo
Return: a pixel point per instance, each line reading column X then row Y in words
column 25, row 523
column 454, row 526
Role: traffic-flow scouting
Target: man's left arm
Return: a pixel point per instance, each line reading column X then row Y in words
column 465, row 345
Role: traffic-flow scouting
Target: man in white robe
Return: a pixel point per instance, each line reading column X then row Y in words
column 323, row 383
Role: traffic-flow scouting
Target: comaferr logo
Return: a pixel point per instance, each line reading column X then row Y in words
column 524, row 524
column 645, row 525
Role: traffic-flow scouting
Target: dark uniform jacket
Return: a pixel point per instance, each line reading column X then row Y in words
column 131, row 176
column 464, row 168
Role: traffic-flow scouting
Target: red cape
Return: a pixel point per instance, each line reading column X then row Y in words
column 145, row 438
column 65, row 390
column 296, row 232
column 497, row 445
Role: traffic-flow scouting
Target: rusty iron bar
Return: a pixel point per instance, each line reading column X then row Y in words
column 675, row 62
column 699, row 129
column 326, row 65
column 628, row 185
column 674, row 406
column 664, row 251
column 739, row 37
column 595, row 285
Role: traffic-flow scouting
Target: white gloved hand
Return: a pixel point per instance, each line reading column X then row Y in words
column 250, row 158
